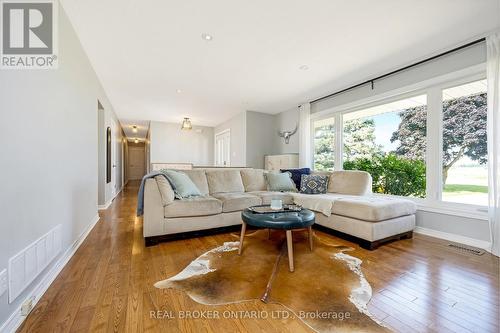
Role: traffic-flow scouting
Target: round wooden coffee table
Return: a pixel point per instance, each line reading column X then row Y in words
column 287, row 221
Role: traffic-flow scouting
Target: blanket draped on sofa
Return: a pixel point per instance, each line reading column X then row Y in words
column 140, row 195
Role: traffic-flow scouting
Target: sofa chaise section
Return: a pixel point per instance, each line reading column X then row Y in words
column 352, row 210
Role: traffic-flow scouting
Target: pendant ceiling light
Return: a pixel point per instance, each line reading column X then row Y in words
column 186, row 124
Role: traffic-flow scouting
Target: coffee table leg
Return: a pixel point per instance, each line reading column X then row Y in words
column 242, row 236
column 310, row 238
column 289, row 244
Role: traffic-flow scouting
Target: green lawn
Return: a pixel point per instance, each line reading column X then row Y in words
column 454, row 188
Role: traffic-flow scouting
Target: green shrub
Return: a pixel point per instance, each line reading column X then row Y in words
column 392, row 174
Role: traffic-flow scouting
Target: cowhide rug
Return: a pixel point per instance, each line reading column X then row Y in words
column 327, row 283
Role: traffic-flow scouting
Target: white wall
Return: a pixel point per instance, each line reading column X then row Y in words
column 253, row 135
column 107, row 118
column 148, row 151
column 261, row 137
column 457, row 225
column 170, row 144
column 49, row 164
column 238, row 128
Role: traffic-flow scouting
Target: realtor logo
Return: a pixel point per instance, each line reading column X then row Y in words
column 29, row 34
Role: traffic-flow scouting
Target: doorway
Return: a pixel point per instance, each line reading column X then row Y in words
column 136, row 161
column 223, row 148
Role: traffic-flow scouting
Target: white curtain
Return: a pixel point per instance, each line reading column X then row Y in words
column 493, row 76
column 305, row 155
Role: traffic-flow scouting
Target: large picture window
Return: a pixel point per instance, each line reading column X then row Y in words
column 430, row 144
column 465, row 171
column 324, row 144
column 389, row 142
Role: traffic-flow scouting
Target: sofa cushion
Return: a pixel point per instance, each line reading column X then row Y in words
column 281, row 182
column 199, row 178
column 373, row 208
column 253, row 180
column 350, row 182
column 266, row 197
column 224, row 181
column 321, row 203
column 197, row 206
column 232, row 202
column 166, row 192
column 297, row 174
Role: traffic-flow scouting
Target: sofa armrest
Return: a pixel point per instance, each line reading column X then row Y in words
column 153, row 210
column 166, row 192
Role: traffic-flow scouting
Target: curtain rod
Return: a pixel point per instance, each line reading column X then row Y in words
column 371, row 81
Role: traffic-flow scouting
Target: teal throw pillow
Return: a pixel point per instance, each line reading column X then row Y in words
column 182, row 185
column 281, row 182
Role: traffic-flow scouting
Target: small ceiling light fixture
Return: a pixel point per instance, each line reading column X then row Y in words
column 136, row 140
column 186, row 124
column 134, row 129
column 179, row 91
column 207, row 37
column 304, row 68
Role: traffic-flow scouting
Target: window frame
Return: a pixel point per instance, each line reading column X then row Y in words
column 337, row 118
column 433, row 89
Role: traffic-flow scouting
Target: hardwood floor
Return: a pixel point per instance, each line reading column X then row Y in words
column 419, row 285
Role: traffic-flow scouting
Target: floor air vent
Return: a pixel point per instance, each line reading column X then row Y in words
column 466, row 249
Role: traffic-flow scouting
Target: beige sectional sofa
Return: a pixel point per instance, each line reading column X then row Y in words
column 348, row 209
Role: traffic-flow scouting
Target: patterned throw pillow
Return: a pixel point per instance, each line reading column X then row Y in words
column 313, row 184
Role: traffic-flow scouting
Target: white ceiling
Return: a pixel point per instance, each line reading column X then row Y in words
column 144, row 51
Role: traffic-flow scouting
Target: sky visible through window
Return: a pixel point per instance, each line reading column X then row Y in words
column 385, row 125
column 386, row 118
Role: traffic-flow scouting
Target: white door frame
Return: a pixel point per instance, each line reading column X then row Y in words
column 113, row 152
column 228, row 130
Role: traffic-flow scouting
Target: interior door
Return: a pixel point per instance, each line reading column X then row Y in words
column 223, row 149
column 136, row 162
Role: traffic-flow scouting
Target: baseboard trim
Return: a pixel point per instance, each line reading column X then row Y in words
column 485, row 245
column 110, row 201
column 106, row 205
column 16, row 319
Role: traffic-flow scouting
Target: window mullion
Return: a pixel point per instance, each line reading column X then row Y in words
column 434, row 144
column 339, row 142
